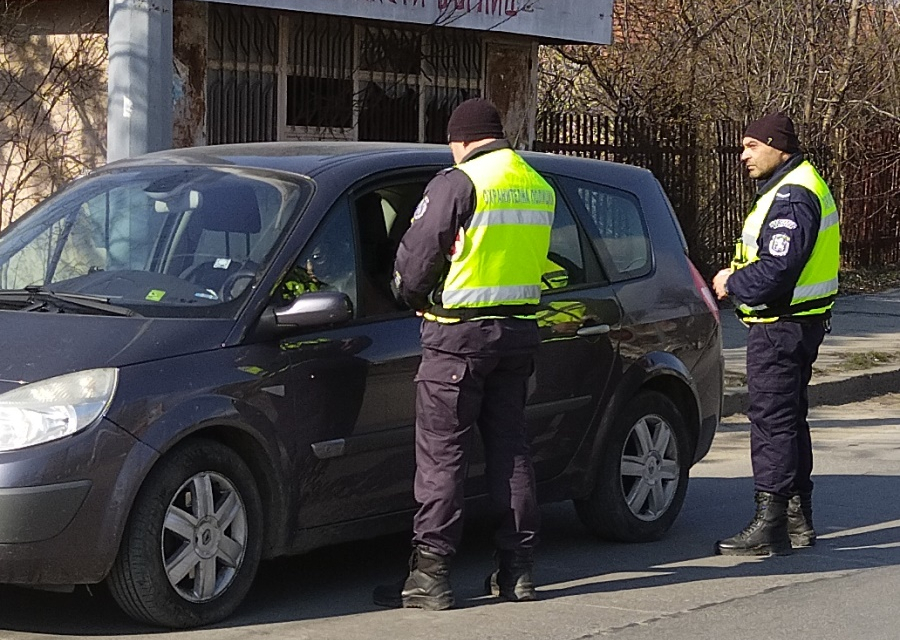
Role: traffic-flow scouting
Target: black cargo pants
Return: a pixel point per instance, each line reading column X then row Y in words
column 454, row 392
column 780, row 356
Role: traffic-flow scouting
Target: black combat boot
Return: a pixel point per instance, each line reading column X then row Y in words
column 511, row 580
column 766, row 534
column 426, row 587
column 799, row 521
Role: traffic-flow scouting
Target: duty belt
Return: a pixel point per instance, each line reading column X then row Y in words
column 496, row 311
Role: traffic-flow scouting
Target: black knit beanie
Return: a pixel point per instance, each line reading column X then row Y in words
column 474, row 119
column 775, row 130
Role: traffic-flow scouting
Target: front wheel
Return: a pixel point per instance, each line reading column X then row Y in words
column 193, row 540
column 642, row 472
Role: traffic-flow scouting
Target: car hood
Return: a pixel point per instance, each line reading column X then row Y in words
column 34, row 346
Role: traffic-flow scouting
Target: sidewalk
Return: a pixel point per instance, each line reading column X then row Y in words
column 858, row 360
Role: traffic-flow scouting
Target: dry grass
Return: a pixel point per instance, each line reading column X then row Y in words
column 866, row 360
column 870, row 280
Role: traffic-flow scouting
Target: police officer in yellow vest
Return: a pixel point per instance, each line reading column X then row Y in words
column 471, row 265
column 784, row 279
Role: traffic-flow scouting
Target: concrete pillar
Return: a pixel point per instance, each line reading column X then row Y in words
column 511, row 83
column 191, row 38
column 140, row 77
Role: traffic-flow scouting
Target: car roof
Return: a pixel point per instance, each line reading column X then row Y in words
column 306, row 158
column 313, row 158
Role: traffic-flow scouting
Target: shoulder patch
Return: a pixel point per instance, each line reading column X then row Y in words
column 779, row 245
column 782, row 223
column 783, row 196
column 420, row 208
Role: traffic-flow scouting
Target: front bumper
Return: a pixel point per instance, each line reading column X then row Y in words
column 32, row 514
column 63, row 505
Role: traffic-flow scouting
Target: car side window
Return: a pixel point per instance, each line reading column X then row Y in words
column 327, row 262
column 617, row 229
column 382, row 212
column 565, row 260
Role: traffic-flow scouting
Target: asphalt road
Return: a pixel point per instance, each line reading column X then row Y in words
column 843, row 589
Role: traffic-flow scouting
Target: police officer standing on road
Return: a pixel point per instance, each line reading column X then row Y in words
column 471, row 265
column 785, row 279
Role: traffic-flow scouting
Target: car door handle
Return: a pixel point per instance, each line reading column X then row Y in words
column 593, row 330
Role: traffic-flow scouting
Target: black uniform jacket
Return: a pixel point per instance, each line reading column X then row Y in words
column 786, row 242
column 422, row 263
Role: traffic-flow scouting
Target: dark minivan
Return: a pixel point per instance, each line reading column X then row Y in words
column 203, row 367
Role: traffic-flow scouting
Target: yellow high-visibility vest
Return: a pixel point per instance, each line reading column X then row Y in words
column 500, row 254
column 817, row 285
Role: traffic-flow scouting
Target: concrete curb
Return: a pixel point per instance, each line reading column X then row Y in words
column 830, row 390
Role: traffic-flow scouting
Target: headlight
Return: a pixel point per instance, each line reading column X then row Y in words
column 50, row 409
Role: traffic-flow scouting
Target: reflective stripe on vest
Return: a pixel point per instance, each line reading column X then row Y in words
column 499, row 256
column 818, row 282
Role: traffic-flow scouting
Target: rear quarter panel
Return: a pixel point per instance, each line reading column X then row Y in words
column 664, row 312
column 666, row 328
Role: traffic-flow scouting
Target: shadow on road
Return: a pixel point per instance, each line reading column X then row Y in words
column 857, row 528
column 858, row 524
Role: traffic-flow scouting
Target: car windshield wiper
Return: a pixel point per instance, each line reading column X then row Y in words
column 37, row 298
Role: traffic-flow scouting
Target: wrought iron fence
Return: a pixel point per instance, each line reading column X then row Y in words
column 870, row 214
column 699, row 167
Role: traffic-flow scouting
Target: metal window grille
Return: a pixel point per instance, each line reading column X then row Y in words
column 306, row 76
column 319, row 75
column 242, row 74
column 388, row 97
column 452, row 71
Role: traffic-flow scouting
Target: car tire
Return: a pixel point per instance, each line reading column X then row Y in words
column 642, row 472
column 193, row 540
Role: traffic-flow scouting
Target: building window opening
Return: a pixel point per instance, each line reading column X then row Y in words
column 242, row 75
column 299, row 76
column 320, row 73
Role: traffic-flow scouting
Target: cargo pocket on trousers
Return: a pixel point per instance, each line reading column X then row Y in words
column 777, row 383
column 440, row 402
column 442, row 369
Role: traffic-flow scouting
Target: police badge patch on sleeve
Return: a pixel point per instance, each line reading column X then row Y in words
column 779, row 244
column 420, row 208
column 782, row 223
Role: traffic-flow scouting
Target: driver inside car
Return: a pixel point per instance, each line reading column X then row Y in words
column 326, row 267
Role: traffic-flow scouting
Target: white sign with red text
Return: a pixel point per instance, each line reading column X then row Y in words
column 577, row 21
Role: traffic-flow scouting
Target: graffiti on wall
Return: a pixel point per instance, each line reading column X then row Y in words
column 588, row 21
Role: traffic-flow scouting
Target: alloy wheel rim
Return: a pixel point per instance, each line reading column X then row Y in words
column 204, row 537
column 650, row 468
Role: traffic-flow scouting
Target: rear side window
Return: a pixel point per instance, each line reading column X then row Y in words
column 616, row 225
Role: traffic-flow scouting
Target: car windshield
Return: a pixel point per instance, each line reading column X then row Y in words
column 163, row 241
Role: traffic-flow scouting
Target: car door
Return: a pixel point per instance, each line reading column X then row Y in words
column 356, row 416
column 577, row 355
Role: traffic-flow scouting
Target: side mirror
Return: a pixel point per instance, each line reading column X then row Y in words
column 314, row 309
